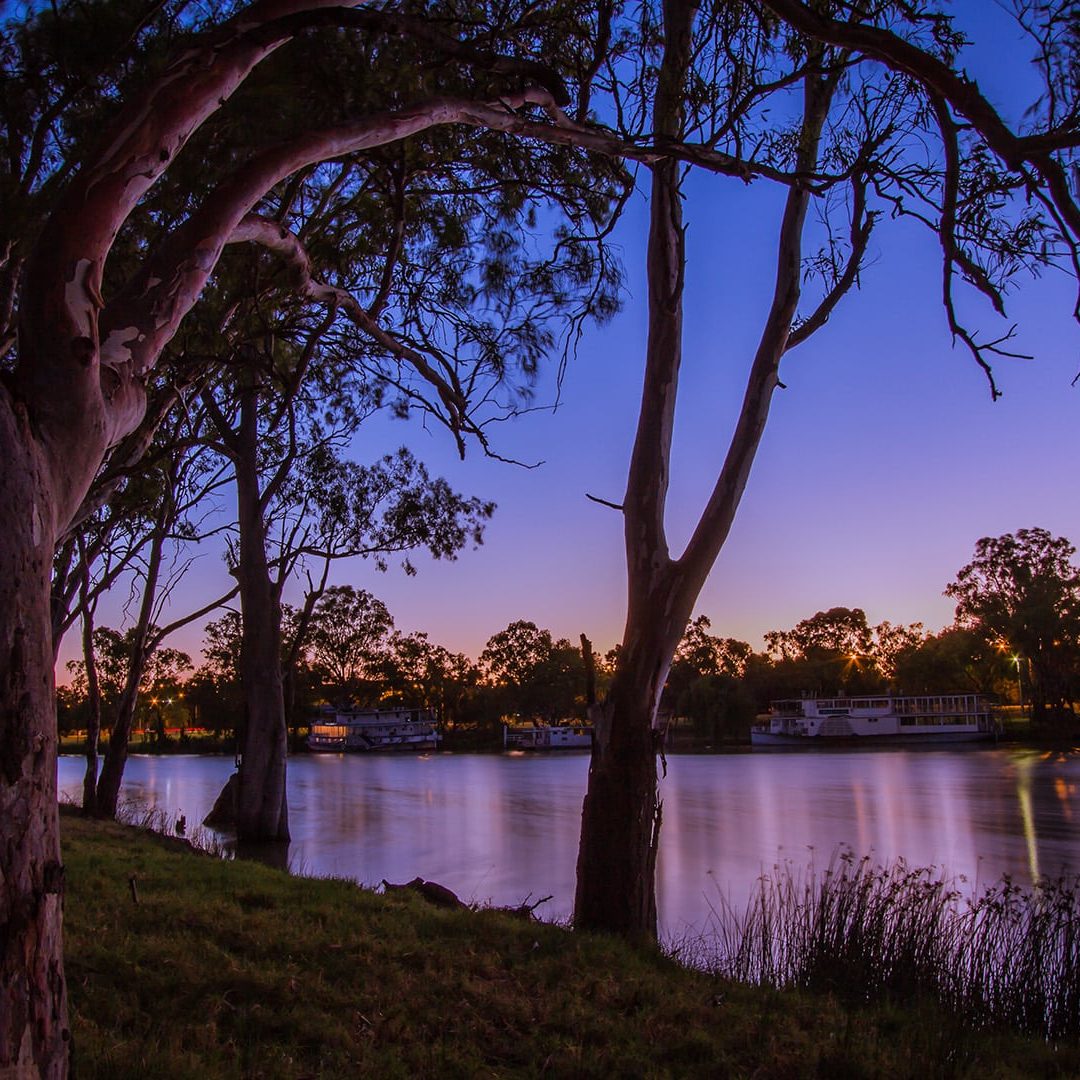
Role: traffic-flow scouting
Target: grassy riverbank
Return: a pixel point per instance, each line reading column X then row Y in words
column 225, row 969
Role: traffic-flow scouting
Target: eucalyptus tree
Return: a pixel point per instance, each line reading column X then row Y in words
column 860, row 112
column 1021, row 595
column 91, row 330
column 955, row 658
column 301, row 506
column 183, row 476
column 533, row 673
column 828, row 652
column 350, row 630
column 437, row 239
column 419, row 672
column 705, row 683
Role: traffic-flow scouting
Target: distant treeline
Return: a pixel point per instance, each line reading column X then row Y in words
column 1016, row 636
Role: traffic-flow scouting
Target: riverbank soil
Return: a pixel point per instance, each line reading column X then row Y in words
column 184, row 965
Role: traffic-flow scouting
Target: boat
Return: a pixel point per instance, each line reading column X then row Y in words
column 365, row 730
column 541, row 736
column 882, row 719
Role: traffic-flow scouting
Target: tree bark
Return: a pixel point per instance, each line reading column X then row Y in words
column 621, row 815
column 620, row 824
column 80, row 386
column 262, row 808
column 34, row 1035
column 620, row 819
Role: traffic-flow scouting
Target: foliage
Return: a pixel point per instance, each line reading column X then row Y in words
column 534, row 674
column 838, row 631
column 163, row 673
column 954, row 659
column 1021, row 592
column 706, row 684
column 418, row 672
column 348, row 636
column 832, row 650
column 342, row 509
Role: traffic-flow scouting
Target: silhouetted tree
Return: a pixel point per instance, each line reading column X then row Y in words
column 349, row 635
column 954, row 659
column 1021, row 592
column 418, row 672
column 534, row 675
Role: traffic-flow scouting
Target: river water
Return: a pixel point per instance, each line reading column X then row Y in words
column 504, row 827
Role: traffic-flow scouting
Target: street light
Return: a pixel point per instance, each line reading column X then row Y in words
column 1019, row 684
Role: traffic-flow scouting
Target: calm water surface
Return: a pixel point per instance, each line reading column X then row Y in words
column 504, row 827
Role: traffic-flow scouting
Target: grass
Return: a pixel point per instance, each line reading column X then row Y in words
column 1003, row 957
column 232, row 969
column 194, row 741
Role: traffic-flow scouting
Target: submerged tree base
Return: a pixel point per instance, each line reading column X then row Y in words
column 233, row 969
column 223, row 813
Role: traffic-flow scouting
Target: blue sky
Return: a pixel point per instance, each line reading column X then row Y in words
column 884, row 459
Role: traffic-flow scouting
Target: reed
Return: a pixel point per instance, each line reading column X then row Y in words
column 1007, row 956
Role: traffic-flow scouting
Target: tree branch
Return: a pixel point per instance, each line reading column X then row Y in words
column 962, row 94
column 862, row 224
column 715, row 522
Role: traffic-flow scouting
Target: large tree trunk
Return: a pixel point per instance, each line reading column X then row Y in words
column 261, row 808
column 620, row 819
column 621, row 816
column 34, row 1036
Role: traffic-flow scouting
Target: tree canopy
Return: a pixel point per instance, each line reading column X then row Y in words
column 1021, row 594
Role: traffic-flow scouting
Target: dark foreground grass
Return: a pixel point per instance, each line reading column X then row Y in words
column 227, row 969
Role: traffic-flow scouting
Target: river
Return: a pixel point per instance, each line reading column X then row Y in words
column 504, row 827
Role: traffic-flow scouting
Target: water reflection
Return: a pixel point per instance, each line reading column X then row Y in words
column 503, row 827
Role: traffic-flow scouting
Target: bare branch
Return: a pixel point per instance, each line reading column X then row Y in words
column 862, row 224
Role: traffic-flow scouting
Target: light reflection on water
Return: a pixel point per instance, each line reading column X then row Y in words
column 503, row 827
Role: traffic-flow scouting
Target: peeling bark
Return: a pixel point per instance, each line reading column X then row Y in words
column 34, row 1036
column 79, row 387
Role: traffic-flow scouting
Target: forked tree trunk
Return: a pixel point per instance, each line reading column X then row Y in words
column 620, row 820
column 261, row 806
column 34, row 1036
column 621, row 817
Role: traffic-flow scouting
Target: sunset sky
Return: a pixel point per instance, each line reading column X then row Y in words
column 883, row 462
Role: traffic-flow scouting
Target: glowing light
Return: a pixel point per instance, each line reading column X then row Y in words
column 1024, row 769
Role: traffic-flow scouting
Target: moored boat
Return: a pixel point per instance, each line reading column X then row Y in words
column 540, row 736
column 891, row 719
column 365, row 730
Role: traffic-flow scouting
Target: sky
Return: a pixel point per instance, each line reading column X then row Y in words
column 883, row 462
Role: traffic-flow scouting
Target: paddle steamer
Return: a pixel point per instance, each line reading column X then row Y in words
column 884, row 718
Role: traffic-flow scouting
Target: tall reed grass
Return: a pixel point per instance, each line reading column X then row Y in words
column 1004, row 956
